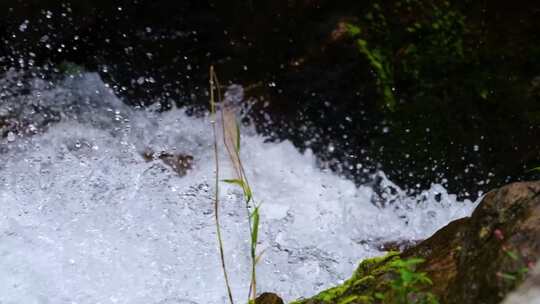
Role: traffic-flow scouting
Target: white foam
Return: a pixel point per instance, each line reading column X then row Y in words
column 85, row 219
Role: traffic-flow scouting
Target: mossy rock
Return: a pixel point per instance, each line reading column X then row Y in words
column 482, row 258
column 370, row 278
column 475, row 260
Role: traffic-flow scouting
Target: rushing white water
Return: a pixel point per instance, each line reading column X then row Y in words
column 84, row 218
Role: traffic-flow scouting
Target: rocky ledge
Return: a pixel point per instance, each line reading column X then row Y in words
column 476, row 260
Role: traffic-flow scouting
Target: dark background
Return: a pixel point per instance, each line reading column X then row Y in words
column 310, row 78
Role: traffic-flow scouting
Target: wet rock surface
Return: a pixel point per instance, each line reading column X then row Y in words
column 482, row 258
column 479, row 259
column 178, row 162
column 268, row 298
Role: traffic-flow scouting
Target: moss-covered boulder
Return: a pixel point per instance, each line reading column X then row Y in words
column 386, row 279
column 482, row 258
column 475, row 260
column 367, row 281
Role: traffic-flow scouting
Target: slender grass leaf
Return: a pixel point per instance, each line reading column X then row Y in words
column 245, row 188
column 248, row 194
column 259, row 256
column 353, row 29
column 424, row 279
column 238, row 182
column 256, row 207
column 255, row 231
column 507, row 276
column 237, row 137
column 512, row 255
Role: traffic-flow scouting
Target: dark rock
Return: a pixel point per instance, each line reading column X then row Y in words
column 398, row 245
column 180, row 163
column 269, row 298
column 480, row 259
column 474, row 260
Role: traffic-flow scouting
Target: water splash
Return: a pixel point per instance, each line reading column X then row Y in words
column 85, row 218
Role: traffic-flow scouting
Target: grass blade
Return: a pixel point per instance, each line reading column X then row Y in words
column 214, row 83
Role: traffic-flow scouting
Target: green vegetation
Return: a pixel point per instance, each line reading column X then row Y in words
column 231, row 142
column 214, row 86
column 70, row 69
column 406, row 288
column 518, row 263
column 413, row 43
column 379, row 60
column 445, row 72
column 387, row 279
column 517, row 275
column 537, row 169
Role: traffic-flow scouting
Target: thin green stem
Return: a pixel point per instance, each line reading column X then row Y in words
column 252, row 293
column 216, row 199
column 234, row 155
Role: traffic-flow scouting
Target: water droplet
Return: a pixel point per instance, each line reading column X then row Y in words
column 24, row 26
column 11, row 136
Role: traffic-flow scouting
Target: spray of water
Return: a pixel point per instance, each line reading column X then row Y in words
column 85, row 217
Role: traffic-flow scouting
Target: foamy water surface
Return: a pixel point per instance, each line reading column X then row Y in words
column 84, row 218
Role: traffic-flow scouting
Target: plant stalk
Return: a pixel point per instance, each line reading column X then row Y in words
column 213, row 84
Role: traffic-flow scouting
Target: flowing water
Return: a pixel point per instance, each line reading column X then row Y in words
column 85, row 218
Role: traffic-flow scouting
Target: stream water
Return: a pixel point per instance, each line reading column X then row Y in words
column 84, row 218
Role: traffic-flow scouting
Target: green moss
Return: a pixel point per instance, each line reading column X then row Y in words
column 386, row 279
column 416, row 50
column 361, row 287
column 70, row 68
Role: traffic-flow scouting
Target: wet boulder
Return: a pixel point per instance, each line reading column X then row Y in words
column 268, row 298
column 178, row 162
column 482, row 258
column 479, row 259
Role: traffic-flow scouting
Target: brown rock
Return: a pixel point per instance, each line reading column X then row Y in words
column 269, row 298
column 474, row 260
column 481, row 258
column 398, row 245
column 180, row 163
